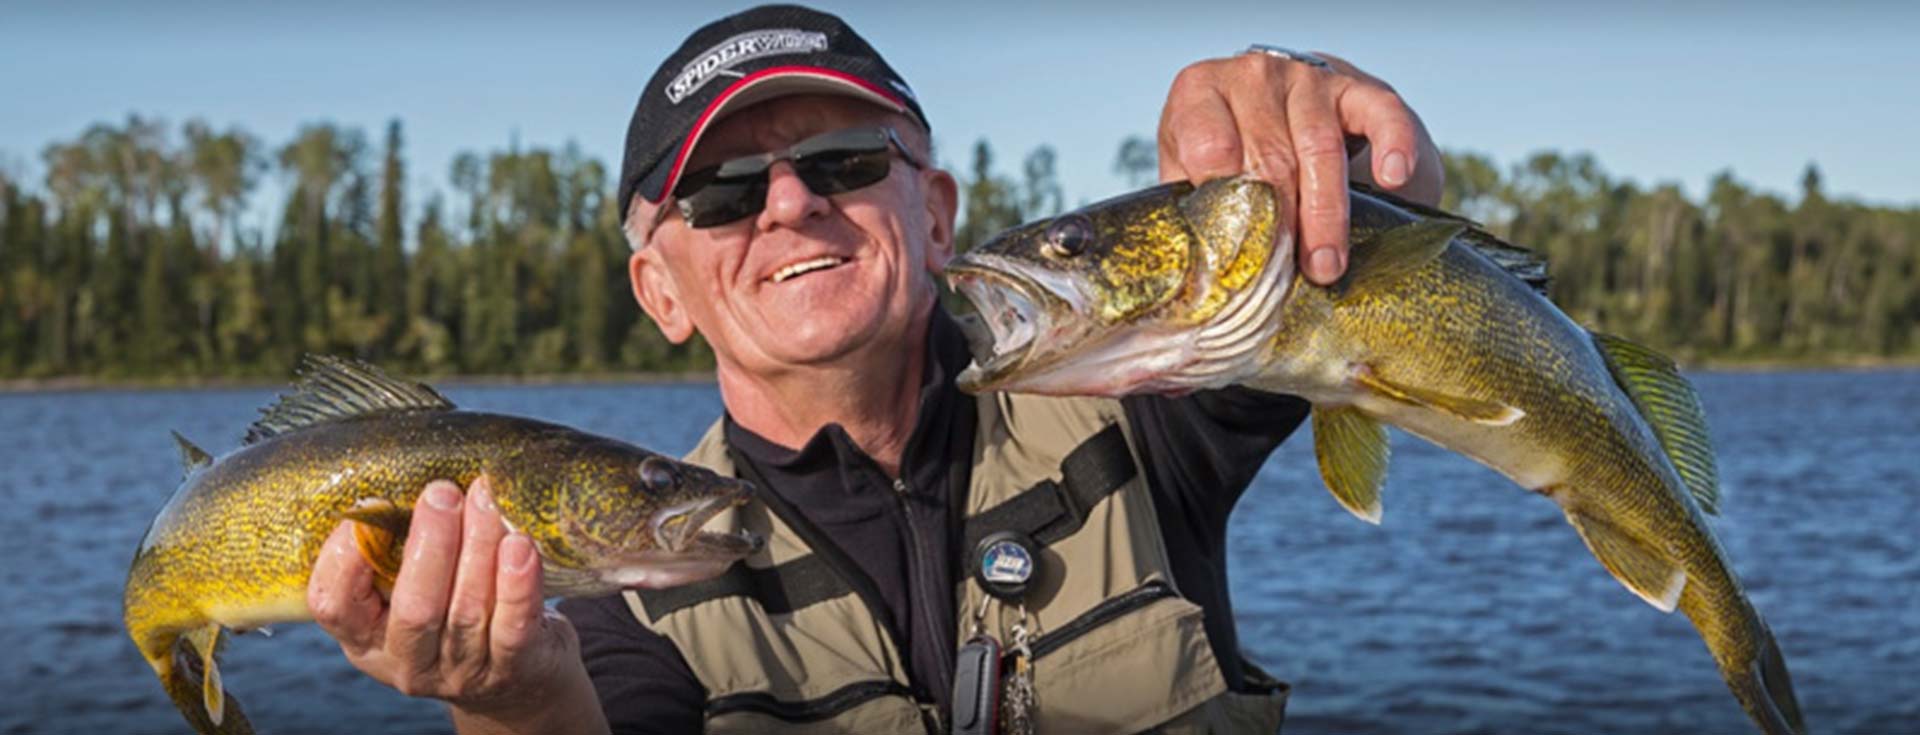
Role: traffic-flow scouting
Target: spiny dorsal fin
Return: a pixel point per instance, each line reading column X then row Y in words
column 191, row 457
column 335, row 388
column 1667, row 401
column 1519, row 262
column 1392, row 254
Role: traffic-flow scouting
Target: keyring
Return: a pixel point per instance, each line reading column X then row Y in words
column 1289, row 54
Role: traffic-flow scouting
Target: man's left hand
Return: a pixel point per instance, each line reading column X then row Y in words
column 1286, row 121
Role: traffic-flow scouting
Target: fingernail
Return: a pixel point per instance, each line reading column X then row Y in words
column 482, row 495
column 441, row 497
column 516, row 552
column 1393, row 169
column 1326, row 263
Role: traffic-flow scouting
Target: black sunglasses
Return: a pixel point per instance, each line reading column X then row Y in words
column 829, row 163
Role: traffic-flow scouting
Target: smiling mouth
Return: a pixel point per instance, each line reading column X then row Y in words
column 804, row 267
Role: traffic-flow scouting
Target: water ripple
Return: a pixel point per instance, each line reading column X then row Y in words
column 1473, row 609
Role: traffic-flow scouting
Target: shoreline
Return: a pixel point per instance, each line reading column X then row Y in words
column 81, row 383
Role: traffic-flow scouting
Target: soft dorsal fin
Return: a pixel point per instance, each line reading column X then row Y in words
column 192, row 458
column 335, row 388
column 1667, row 401
column 1393, row 254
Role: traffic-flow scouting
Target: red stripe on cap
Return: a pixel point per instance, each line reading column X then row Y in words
column 739, row 85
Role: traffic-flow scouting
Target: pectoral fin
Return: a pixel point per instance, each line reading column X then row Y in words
column 1644, row 571
column 379, row 531
column 1488, row 413
column 1667, row 401
column 1352, row 449
column 206, row 641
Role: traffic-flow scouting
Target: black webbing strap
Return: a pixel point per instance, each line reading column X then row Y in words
column 1050, row 511
column 781, row 589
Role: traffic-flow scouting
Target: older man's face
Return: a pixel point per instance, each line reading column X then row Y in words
column 811, row 279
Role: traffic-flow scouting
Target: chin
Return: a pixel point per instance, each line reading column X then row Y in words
column 834, row 332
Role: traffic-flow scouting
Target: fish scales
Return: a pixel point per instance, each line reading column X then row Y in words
column 1437, row 327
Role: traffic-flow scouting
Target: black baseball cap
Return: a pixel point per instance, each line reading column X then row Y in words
column 752, row 56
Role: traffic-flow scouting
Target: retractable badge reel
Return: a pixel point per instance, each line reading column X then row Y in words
column 983, row 703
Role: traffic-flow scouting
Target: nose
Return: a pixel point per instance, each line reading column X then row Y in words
column 789, row 201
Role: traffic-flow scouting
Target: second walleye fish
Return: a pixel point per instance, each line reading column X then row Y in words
column 1179, row 288
column 235, row 545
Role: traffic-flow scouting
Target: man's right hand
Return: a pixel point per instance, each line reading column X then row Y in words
column 465, row 622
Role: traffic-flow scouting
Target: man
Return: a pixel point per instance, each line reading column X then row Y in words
column 781, row 197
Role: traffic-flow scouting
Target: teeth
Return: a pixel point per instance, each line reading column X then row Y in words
column 790, row 271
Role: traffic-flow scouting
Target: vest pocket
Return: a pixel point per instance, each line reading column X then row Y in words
column 1101, row 614
column 860, row 707
column 834, row 703
column 1126, row 665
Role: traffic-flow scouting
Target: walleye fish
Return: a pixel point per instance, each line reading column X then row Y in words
column 234, row 547
column 1436, row 328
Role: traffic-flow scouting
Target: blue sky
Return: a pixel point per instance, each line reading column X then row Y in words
column 1658, row 92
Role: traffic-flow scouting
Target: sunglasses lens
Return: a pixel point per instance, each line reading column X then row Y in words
column 724, row 200
column 833, row 163
column 836, row 172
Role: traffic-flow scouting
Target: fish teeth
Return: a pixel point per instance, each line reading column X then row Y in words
column 825, row 261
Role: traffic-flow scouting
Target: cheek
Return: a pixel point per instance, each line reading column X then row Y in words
column 703, row 270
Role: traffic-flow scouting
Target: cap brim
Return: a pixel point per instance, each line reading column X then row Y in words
column 768, row 84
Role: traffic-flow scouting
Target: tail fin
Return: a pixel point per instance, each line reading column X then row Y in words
column 1766, row 691
column 187, row 685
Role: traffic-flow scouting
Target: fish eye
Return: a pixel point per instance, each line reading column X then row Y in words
column 657, row 473
column 1067, row 237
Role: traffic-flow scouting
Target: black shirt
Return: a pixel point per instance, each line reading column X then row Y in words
column 1198, row 452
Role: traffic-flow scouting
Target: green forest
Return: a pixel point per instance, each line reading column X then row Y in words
column 130, row 262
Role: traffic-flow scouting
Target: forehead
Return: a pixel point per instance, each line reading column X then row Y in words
column 781, row 122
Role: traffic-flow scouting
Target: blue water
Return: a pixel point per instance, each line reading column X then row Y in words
column 1474, row 608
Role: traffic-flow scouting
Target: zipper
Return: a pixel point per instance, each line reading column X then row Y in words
column 1102, row 614
column 923, row 580
column 812, row 710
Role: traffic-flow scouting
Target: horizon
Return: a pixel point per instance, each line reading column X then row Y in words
column 1573, row 81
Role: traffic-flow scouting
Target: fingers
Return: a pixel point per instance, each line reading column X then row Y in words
column 464, row 645
column 1391, row 130
column 1319, row 146
column 421, row 593
column 341, row 596
column 1286, row 121
column 1198, row 137
column 518, row 606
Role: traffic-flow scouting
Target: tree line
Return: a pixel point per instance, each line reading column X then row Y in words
column 131, row 260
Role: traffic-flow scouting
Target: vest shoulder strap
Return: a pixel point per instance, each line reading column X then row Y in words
column 1049, row 511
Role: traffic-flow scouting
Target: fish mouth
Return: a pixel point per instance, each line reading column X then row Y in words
column 1008, row 320
column 677, row 529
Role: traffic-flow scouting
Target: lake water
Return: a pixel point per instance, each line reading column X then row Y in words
column 1474, row 608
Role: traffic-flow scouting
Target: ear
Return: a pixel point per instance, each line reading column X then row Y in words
column 654, row 288
column 943, row 202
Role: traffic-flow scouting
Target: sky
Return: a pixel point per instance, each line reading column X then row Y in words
column 1658, row 92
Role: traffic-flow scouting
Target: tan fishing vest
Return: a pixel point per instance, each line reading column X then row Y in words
column 782, row 643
